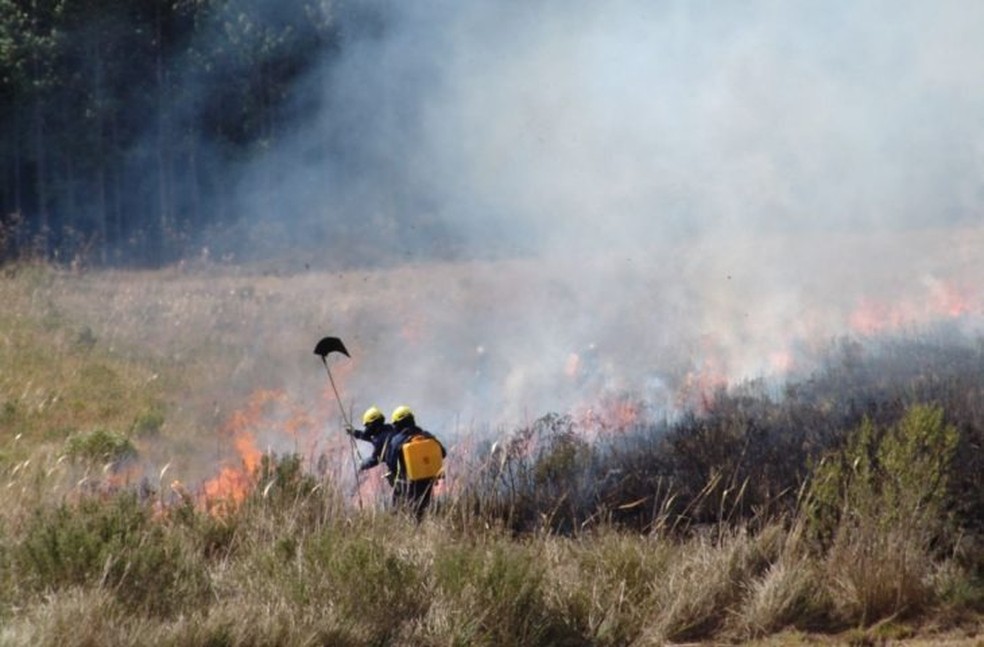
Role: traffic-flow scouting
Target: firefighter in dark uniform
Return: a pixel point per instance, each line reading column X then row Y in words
column 414, row 496
column 375, row 431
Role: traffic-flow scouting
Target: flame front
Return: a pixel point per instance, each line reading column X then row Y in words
column 940, row 302
column 227, row 490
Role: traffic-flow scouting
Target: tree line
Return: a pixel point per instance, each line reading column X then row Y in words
column 119, row 119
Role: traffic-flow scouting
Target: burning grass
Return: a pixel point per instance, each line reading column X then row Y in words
column 196, row 509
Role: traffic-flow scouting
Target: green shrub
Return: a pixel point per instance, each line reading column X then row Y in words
column 101, row 446
column 283, row 481
column 148, row 423
column 957, row 589
column 367, row 581
column 894, row 477
column 8, row 412
column 216, row 535
column 541, row 478
column 877, row 509
column 915, row 459
column 7, row 581
column 115, row 544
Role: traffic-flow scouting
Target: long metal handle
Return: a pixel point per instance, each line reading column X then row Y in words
column 348, row 424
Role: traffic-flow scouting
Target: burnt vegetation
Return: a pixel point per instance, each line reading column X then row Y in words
column 749, row 457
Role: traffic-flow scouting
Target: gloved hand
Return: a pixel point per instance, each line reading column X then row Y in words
column 349, row 430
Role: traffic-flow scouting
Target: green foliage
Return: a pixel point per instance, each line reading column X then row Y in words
column 915, row 459
column 561, row 461
column 369, row 582
column 540, row 478
column 895, row 477
column 100, row 446
column 207, row 73
column 216, row 535
column 8, row 583
column 148, row 424
column 8, row 412
column 877, row 508
column 283, row 481
column 957, row 589
column 113, row 544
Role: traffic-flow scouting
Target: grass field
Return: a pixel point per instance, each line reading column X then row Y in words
column 173, row 471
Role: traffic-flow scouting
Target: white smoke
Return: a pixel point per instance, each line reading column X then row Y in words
column 601, row 125
column 675, row 180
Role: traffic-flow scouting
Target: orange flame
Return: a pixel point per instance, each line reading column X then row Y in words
column 610, row 416
column 941, row 302
column 702, row 383
column 227, row 490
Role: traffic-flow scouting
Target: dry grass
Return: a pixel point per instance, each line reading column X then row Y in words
column 165, row 359
column 368, row 578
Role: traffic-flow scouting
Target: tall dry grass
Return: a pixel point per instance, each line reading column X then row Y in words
column 87, row 558
column 309, row 569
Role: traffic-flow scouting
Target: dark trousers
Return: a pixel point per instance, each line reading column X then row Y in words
column 413, row 496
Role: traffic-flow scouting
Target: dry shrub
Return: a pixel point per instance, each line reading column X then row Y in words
column 496, row 594
column 350, row 577
column 790, row 593
column 74, row 616
column 876, row 572
column 601, row 583
column 956, row 588
column 705, row 584
column 254, row 621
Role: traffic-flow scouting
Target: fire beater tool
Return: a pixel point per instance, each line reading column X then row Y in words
column 326, row 346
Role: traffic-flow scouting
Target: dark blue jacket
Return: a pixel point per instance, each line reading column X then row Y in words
column 378, row 438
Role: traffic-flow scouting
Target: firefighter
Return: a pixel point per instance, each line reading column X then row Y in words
column 375, row 431
column 413, row 495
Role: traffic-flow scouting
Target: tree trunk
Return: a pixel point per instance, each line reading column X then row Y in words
column 18, row 160
column 194, row 185
column 163, row 221
column 99, row 91
column 40, row 181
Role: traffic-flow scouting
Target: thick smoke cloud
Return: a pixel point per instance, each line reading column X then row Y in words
column 585, row 125
column 684, row 185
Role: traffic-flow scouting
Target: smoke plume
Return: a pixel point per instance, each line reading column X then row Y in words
column 629, row 196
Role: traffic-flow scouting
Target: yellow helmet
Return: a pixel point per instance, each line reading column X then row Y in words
column 401, row 413
column 372, row 414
